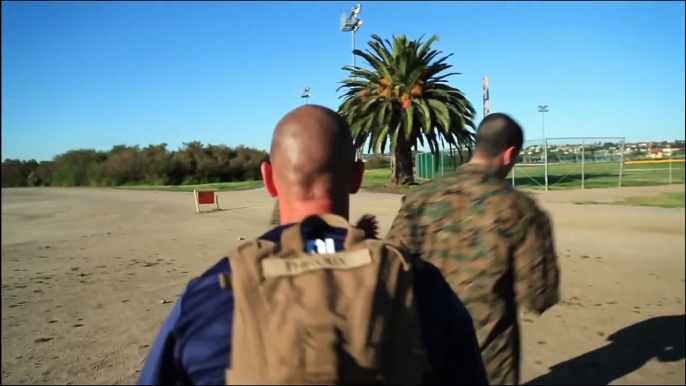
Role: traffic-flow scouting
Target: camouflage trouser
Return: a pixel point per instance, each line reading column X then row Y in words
column 275, row 220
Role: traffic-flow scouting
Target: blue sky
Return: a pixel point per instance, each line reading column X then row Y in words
column 96, row 74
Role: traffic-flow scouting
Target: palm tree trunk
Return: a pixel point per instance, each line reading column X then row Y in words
column 393, row 167
column 403, row 165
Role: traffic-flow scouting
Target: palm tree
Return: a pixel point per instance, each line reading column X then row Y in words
column 403, row 99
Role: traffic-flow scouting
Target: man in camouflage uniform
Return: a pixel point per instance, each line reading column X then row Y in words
column 492, row 242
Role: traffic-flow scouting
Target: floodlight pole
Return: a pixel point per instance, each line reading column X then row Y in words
column 355, row 28
column 352, row 24
column 544, row 109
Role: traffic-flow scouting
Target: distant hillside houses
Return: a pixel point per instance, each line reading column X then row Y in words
column 598, row 151
column 664, row 149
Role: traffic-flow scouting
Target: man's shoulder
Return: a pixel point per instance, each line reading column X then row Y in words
column 462, row 193
column 485, row 190
column 527, row 206
column 204, row 294
column 465, row 180
column 432, row 191
column 211, row 274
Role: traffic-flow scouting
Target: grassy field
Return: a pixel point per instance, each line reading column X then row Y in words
column 664, row 200
column 376, row 180
column 597, row 175
column 220, row 186
column 560, row 176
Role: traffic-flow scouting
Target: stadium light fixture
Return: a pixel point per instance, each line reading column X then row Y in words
column 306, row 95
column 352, row 24
column 544, row 109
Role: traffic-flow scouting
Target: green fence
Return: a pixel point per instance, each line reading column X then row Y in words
column 427, row 166
column 573, row 163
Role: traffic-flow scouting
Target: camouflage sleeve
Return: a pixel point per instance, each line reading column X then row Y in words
column 275, row 220
column 405, row 229
column 536, row 272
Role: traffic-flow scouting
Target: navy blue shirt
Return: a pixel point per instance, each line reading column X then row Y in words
column 193, row 346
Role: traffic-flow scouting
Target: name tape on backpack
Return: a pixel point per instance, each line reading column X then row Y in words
column 274, row 267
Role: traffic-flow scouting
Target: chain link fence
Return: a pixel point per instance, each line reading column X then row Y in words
column 428, row 167
column 576, row 163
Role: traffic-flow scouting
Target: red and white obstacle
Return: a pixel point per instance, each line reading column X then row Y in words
column 205, row 197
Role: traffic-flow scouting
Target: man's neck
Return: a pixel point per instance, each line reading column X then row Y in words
column 293, row 212
column 484, row 163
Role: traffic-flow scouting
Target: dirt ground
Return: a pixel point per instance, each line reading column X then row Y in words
column 84, row 272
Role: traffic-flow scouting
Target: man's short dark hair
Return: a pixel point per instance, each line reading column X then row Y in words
column 496, row 133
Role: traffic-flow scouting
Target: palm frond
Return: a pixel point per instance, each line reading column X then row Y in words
column 402, row 97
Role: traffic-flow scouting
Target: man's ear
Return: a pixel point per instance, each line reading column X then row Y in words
column 268, row 178
column 510, row 155
column 357, row 175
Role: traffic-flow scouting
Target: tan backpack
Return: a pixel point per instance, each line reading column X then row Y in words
column 347, row 318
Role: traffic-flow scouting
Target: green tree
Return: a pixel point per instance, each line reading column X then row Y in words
column 124, row 165
column 78, row 168
column 157, row 162
column 403, row 100
column 154, row 164
column 44, row 173
column 12, row 173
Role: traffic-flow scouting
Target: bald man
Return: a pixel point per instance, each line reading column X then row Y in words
column 313, row 172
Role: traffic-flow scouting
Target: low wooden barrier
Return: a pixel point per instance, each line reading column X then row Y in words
column 205, row 197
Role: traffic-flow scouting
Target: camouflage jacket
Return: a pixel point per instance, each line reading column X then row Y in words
column 495, row 248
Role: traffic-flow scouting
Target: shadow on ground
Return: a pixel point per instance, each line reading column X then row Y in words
column 630, row 348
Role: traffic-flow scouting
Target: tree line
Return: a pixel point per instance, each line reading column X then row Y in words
column 400, row 98
column 193, row 163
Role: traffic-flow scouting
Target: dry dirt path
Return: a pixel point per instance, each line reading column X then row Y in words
column 83, row 272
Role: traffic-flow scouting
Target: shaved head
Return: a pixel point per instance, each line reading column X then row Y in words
column 496, row 133
column 312, row 158
column 499, row 139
